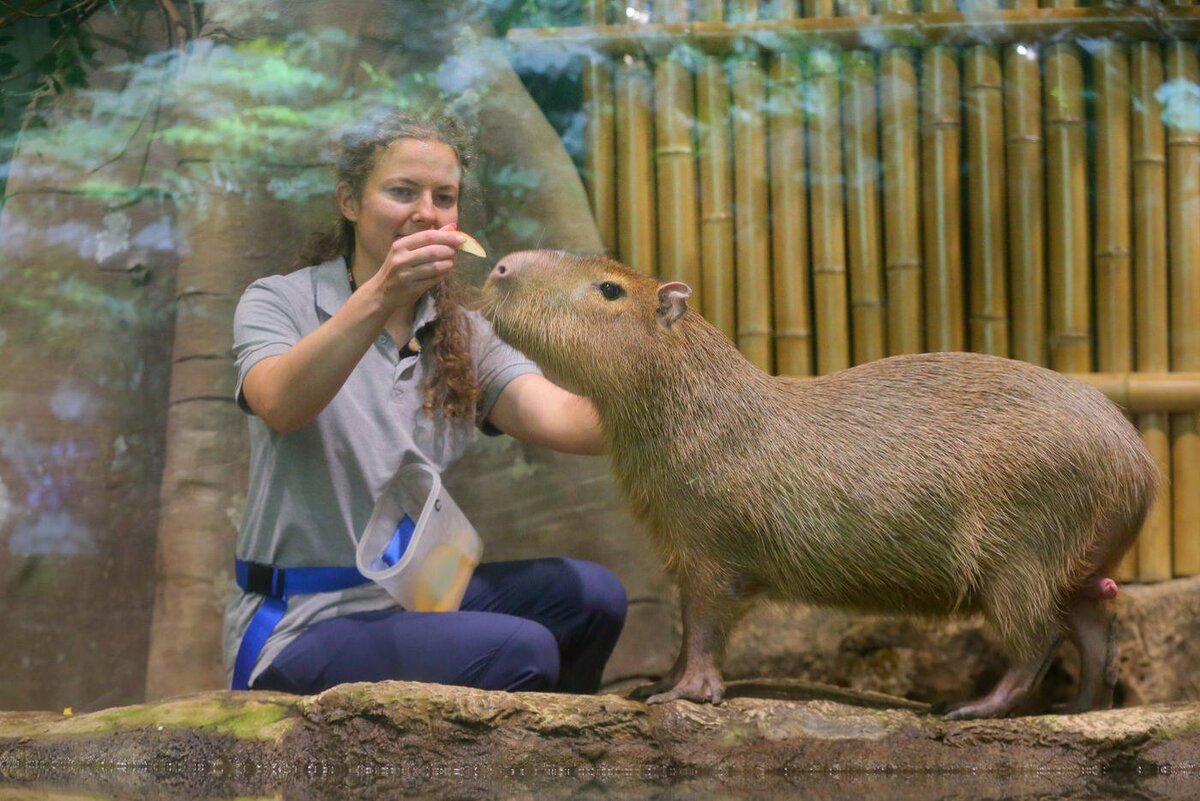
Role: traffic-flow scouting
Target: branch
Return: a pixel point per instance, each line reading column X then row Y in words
column 181, row 29
column 20, row 13
column 23, row 13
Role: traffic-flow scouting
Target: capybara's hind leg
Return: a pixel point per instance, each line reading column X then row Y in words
column 1013, row 688
column 1093, row 631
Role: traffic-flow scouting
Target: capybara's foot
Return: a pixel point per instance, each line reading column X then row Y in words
column 1079, row 706
column 701, row 686
column 648, row 690
column 986, row 707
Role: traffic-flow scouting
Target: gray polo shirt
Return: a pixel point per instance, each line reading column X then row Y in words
column 312, row 490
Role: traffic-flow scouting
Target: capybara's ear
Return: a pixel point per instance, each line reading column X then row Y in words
column 672, row 302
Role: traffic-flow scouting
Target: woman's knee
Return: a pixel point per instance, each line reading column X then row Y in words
column 528, row 660
column 601, row 594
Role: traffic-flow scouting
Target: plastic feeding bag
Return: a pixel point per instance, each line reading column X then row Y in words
column 418, row 545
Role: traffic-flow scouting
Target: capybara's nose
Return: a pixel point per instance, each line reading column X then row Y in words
column 507, row 267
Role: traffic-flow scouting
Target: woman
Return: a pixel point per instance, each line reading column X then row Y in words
column 355, row 366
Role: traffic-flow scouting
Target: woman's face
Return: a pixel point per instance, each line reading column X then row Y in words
column 413, row 187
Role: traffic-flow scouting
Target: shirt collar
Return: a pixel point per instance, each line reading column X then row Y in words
column 331, row 288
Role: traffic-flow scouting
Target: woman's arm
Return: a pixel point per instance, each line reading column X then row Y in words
column 536, row 411
column 289, row 390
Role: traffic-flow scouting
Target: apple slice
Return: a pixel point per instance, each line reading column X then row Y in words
column 472, row 246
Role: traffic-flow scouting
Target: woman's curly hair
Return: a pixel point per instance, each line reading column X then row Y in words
column 452, row 390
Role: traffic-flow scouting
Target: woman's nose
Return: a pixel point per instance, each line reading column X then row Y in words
column 425, row 207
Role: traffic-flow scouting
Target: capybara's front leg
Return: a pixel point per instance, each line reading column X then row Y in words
column 696, row 676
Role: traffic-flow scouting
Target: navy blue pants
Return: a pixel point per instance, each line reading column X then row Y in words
column 538, row 624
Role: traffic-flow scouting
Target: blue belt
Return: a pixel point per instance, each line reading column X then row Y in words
column 280, row 583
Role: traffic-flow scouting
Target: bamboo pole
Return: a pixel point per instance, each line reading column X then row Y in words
column 1026, row 221
column 675, row 163
column 941, row 129
column 1150, row 278
column 943, row 27
column 826, row 208
column 1066, row 171
column 755, row 336
column 789, row 217
column 1183, row 209
column 1148, row 392
column 600, row 170
column 1114, row 295
column 860, row 117
column 984, row 95
column 716, row 187
column 635, row 170
column 901, row 195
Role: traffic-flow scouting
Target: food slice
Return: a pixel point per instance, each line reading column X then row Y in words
column 472, row 246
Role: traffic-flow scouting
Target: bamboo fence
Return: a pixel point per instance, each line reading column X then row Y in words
column 843, row 181
column 748, row 86
column 716, row 185
column 789, row 212
column 983, row 96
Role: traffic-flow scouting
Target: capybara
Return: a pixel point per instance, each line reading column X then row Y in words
column 926, row 484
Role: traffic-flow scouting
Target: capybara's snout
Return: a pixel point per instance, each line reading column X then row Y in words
column 503, row 270
column 507, row 269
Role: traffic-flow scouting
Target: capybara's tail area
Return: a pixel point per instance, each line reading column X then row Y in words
column 1118, row 526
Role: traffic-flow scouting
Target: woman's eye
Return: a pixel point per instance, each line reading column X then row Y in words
column 447, row 200
column 611, row 290
column 403, row 192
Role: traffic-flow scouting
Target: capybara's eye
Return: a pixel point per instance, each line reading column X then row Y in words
column 611, row 290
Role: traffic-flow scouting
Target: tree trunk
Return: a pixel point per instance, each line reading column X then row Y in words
column 86, row 283
column 204, row 479
column 236, row 231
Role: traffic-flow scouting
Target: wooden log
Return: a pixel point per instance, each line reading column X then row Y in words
column 898, row 92
column 983, row 94
column 1183, row 209
column 1150, row 280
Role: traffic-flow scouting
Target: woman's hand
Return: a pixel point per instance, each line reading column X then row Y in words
column 289, row 390
column 415, row 264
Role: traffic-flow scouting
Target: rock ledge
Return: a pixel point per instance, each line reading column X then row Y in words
column 409, row 735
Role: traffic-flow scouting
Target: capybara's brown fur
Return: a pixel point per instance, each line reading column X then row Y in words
column 933, row 484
